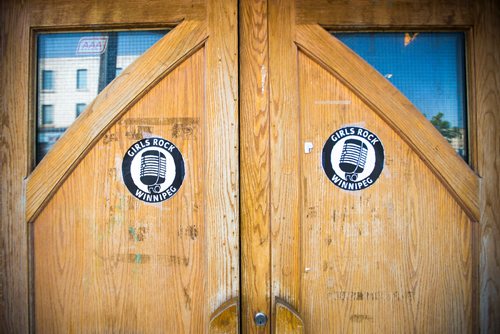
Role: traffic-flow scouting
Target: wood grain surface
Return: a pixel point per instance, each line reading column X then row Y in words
column 395, row 257
column 114, row 100
column 151, row 268
column 287, row 319
column 255, row 164
column 487, row 64
column 384, row 260
column 105, row 261
column 225, row 319
column 389, row 103
column 131, row 13
column 285, row 150
column 385, row 13
column 14, row 165
column 221, row 153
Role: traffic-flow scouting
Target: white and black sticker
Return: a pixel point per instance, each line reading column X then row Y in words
column 153, row 169
column 353, row 158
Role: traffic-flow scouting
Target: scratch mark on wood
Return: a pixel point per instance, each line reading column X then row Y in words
column 360, row 317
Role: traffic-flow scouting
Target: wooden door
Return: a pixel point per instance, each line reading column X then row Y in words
column 401, row 255
column 111, row 259
column 396, row 256
column 414, row 252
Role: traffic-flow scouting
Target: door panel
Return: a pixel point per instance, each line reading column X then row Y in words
column 103, row 259
column 387, row 258
column 399, row 256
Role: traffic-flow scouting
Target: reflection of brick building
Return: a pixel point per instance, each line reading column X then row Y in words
column 68, row 81
column 67, row 85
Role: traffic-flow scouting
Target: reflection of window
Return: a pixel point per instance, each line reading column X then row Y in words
column 81, row 79
column 80, row 107
column 47, row 80
column 47, row 114
column 118, row 71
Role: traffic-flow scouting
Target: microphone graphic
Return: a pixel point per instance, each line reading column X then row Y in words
column 353, row 158
column 153, row 170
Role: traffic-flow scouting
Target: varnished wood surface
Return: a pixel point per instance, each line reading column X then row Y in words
column 285, row 149
column 18, row 18
column 115, row 99
column 395, row 109
column 395, row 257
column 14, row 158
column 222, row 166
column 15, row 23
column 63, row 13
column 107, row 262
column 255, row 164
column 225, row 319
column 287, row 319
column 487, row 64
column 211, row 275
column 386, row 13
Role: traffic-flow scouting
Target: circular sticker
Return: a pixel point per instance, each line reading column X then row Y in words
column 353, row 158
column 153, row 169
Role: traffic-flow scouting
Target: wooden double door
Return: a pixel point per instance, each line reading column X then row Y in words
column 249, row 93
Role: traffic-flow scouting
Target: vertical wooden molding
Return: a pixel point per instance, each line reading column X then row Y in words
column 286, row 203
column 487, row 63
column 255, row 166
column 14, row 159
column 221, row 172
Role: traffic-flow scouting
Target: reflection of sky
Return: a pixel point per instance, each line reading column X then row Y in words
column 63, row 45
column 430, row 70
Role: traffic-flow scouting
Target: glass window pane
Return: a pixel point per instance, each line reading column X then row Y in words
column 81, row 79
column 85, row 63
column 428, row 67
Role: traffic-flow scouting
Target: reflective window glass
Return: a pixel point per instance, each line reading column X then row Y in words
column 47, row 114
column 429, row 68
column 81, row 79
column 80, row 107
column 73, row 67
column 47, row 80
